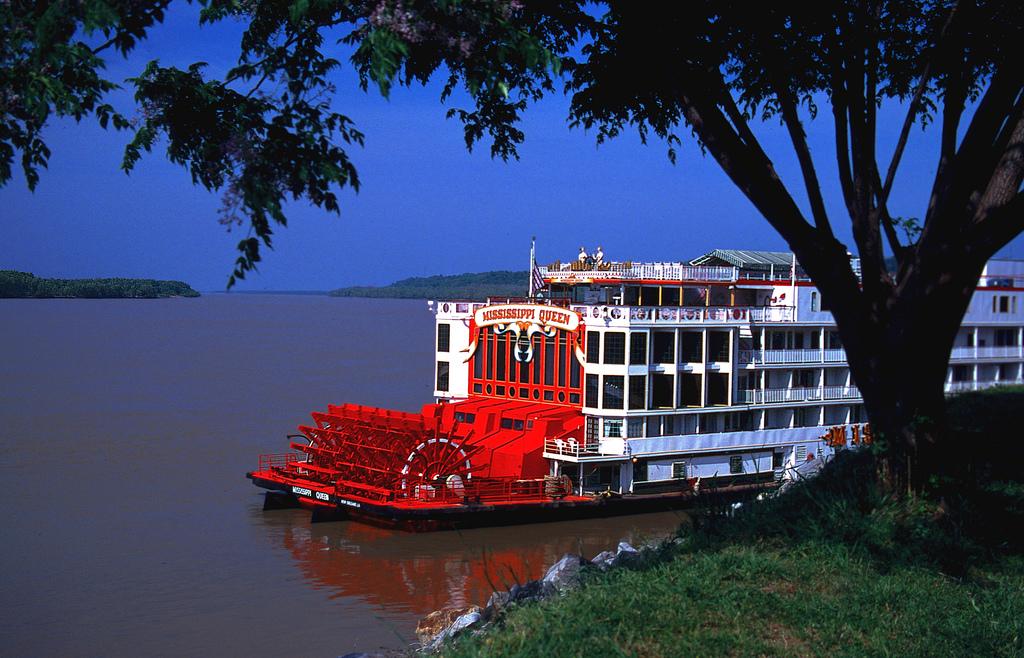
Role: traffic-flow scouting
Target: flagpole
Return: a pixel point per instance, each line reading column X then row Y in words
column 533, row 262
column 792, row 283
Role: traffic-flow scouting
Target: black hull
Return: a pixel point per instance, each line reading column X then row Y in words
column 472, row 515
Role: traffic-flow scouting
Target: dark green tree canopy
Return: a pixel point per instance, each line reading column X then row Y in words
column 268, row 130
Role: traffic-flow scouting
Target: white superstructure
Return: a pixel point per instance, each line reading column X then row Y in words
column 728, row 366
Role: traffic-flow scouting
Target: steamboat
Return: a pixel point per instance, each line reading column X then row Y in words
column 618, row 387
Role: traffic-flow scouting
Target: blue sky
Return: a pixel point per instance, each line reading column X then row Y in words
column 426, row 206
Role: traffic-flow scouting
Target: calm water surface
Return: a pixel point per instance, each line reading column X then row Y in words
column 128, row 527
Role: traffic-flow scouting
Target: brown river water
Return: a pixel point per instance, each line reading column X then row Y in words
column 128, row 527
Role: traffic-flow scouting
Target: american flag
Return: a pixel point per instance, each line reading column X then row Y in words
column 538, row 279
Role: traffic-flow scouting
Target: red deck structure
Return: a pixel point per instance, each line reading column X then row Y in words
column 479, row 452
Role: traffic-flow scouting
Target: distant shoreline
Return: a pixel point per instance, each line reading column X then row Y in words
column 24, row 285
column 476, row 286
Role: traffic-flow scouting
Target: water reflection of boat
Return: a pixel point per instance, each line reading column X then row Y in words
column 419, row 573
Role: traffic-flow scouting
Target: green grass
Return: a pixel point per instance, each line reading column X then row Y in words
column 832, row 567
column 765, row 599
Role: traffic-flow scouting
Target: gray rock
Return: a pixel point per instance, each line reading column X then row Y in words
column 625, row 554
column 498, row 601
column 459, row 625
column 564, row 574
column 603, row 560
column 531, row 591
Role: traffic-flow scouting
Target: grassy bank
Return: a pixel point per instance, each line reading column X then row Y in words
column 830, row 568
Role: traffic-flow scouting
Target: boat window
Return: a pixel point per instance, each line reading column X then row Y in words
column 638, row 348
column 593, row 347
column 638, row 391
column 690, row 389
column 444, row 336
column 489, row 355
column 501, row 360
column 679, row 470
column 664, row 347
column 593, row 388
column 460, row 417
column 736, row 464
column 442, row 375
column 615, row 347
column 662, row 391
column 549, row 362
column 718, row 346
column 506, row 423
column 613, row 391
column 560, row 360
column 470, row 418
column 517, row 424
column 613, row 428
column 691, row 347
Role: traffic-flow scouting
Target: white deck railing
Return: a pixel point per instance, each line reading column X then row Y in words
column 957, row 387
column 571, row 447
column 776, row 357
column 800, row 394
column 641, row 271
column 686, row 314
column 970, row 353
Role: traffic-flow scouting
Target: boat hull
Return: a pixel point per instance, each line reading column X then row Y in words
column 425, row 517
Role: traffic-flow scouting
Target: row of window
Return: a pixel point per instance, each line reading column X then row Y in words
column 663, row 345
column 714, row 423
column 1001, row 338
column 1003, row 372
column 666, row 345
column 680, row 469
column 609, row 391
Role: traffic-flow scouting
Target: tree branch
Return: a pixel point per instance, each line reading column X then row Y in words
column 913, row 109
column 1007, row 177
column 803, row 153
column 859, row 83
column 964, row 172
column 842, row 129
column 998, row 227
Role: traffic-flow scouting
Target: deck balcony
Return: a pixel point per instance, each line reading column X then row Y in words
column 570, row 272
column 785, row 395
column 974, row 353
column 785, row 357
column 571, row 447
column 697, row 315
column 960, row 387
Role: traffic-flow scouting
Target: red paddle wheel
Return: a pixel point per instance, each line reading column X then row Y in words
column 383, row 462
column 381, row 455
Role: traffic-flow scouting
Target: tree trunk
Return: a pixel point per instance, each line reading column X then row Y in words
column 899, row 354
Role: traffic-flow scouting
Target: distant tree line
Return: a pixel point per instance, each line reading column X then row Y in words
column 473, row 286
column 23, row 284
